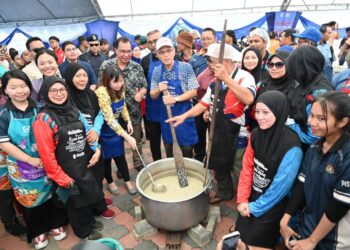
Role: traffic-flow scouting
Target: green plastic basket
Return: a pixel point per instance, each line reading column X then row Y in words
column 111, row 243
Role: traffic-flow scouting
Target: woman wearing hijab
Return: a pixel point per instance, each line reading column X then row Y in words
column 251, row 61
column 60, row 131
column 86, row 102
column 305, row 65
column 270, row 165
column 278, row 77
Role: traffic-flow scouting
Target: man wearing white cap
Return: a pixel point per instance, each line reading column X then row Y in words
column 259, row 39
column 237, row 91
column 179, row 80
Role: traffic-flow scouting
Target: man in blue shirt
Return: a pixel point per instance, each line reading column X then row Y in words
column 71, row 53
column 325, row 49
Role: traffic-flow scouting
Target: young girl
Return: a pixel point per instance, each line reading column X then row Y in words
column 270, row 165
column 28, row 177
column 323, row 187
column 7, row 211
column 111, row 98
column 86, row 101
column 60, row 131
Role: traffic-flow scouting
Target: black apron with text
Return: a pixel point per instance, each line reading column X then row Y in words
column 225, row 134
column 73, row 155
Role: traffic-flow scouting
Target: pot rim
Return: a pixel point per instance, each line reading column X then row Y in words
column 206, row 187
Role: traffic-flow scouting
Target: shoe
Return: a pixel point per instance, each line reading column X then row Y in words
column 108, row 202
column 15, row 229
column 40, row 241
column 113, row 191
column 58, row 233
column 94, row 236
column 131, row 191
column 98, row 226
column 108, row 214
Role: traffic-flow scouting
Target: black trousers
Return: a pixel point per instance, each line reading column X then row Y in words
column 43, row 218
column 187, row 151
column 122, row 166
column 82, row 220
column 7, row 211
column 98, row 172
column 155, row 139
column 201, row 146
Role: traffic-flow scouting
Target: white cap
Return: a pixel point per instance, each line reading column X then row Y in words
column 229, row 53
column 164, row 41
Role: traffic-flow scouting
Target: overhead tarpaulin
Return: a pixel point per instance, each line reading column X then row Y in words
column 103, row 29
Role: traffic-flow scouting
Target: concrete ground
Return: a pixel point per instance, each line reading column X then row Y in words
column 121, row 226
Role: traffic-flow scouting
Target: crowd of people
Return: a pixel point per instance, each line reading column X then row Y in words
column 280, row 146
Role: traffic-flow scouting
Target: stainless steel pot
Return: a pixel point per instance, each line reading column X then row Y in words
column 177, row 215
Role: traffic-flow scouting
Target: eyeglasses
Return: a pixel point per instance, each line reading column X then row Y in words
column 152, row 42
column 277, row 65
column 163, row 52
column 36, row 50
column 55, row 91
column 94, row 44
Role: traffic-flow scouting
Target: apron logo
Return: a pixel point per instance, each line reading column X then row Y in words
column 74, row 131
column 330, row 169
column 25, row 129
column 78, row 155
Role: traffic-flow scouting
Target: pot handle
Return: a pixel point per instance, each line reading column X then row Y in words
column 210, row 185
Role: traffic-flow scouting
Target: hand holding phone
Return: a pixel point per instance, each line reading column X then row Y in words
column 230, row 241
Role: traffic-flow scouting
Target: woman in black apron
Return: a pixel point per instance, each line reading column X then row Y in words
column 60, row 131
column 86, row 101
column 270, row 165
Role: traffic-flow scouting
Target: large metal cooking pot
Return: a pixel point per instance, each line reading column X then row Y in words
column 177, row 215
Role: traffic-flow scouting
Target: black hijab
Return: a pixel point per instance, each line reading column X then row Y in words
column 305, row 65
column 256, row 72
column 85, row 100
column 270, row 145
column 284, row 83
column 66, row 111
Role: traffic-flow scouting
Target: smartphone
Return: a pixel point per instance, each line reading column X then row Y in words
column 230, row 241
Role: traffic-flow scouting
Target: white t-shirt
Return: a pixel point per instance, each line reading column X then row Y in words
column 248, row 82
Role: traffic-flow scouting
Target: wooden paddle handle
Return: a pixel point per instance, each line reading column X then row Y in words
column 178, row 156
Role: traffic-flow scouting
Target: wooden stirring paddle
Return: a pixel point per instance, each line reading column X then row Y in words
column 178, row 157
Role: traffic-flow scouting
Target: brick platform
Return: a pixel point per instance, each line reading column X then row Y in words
column 122, row 225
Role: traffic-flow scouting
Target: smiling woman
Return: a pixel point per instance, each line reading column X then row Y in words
column 47, row 63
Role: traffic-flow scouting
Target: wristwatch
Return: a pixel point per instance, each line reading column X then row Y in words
column 176, row 98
